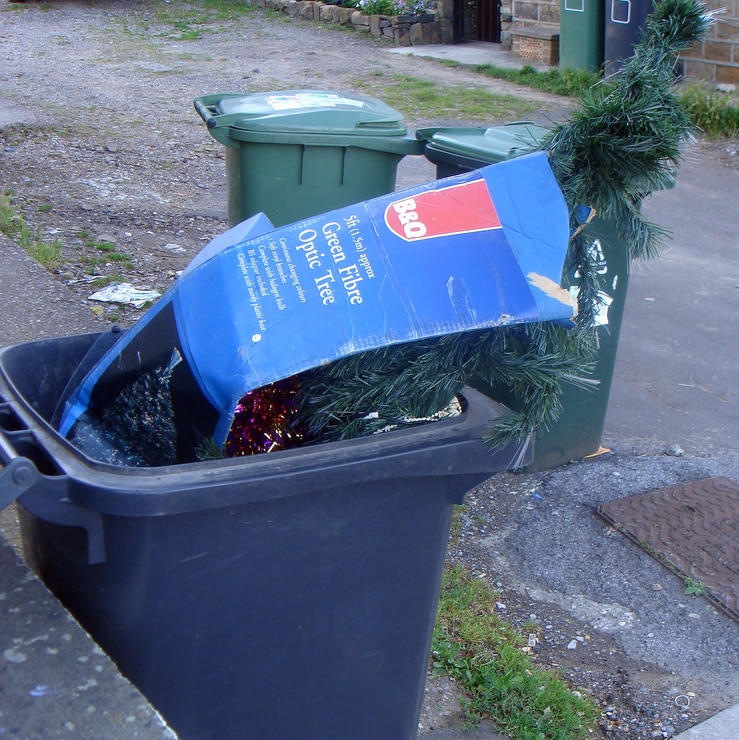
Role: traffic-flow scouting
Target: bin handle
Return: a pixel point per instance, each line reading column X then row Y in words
column 17, row 475
column 45, row 496
column 424, row 134
column 207, row 108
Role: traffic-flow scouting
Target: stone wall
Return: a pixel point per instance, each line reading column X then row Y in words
column 401, row 30
column 717, row 58
column 523, row 13
column 506, row 23
column 444, row 12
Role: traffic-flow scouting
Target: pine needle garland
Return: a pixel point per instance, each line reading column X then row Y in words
column 625, row 140
column 623, row 143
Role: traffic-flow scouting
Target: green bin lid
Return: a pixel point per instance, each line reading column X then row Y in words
column 302, row 111
column 495, row 144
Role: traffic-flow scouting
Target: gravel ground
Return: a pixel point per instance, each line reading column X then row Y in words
column 105, row 144
column 100, row 143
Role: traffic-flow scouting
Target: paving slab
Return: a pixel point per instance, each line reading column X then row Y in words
column 470, row 52
column 54, row 680
column 722, row 726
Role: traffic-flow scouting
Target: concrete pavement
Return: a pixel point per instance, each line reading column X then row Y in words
column 470, row 53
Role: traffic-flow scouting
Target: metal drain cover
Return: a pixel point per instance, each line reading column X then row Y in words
column 692, row 529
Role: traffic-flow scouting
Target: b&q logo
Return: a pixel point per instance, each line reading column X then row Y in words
column 458, row 209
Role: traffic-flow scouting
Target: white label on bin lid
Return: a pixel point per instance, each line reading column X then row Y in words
column 310, row 100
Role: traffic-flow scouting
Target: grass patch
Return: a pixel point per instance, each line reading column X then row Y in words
column 714, row 113
column 483, row 654
column 569, row 82
column 14, row 225
column 103, row 252
column 418, row 98
column 194, row 18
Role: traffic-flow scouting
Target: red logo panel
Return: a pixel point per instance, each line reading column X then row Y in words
column 458, row 209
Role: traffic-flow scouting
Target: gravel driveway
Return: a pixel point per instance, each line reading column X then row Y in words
column 104, row 143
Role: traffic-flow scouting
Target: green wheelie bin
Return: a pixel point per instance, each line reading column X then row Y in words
column 581, row 34
column 297, row 153
column 577, row 433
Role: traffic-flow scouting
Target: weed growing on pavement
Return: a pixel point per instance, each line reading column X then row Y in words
column 45, row 253
column 103, row 252
column 694, row 588
column 455, row 528
column 13, row 224
column 103, row 280
column 483, row 654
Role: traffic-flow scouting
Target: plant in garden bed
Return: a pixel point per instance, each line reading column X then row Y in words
column 386, row 7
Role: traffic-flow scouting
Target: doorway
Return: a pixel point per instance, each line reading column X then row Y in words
column 488, row 20
column 476, row 20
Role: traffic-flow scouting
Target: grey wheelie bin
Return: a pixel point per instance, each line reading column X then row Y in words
column 298, row 153
column 623, row 30
column 285, row 595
